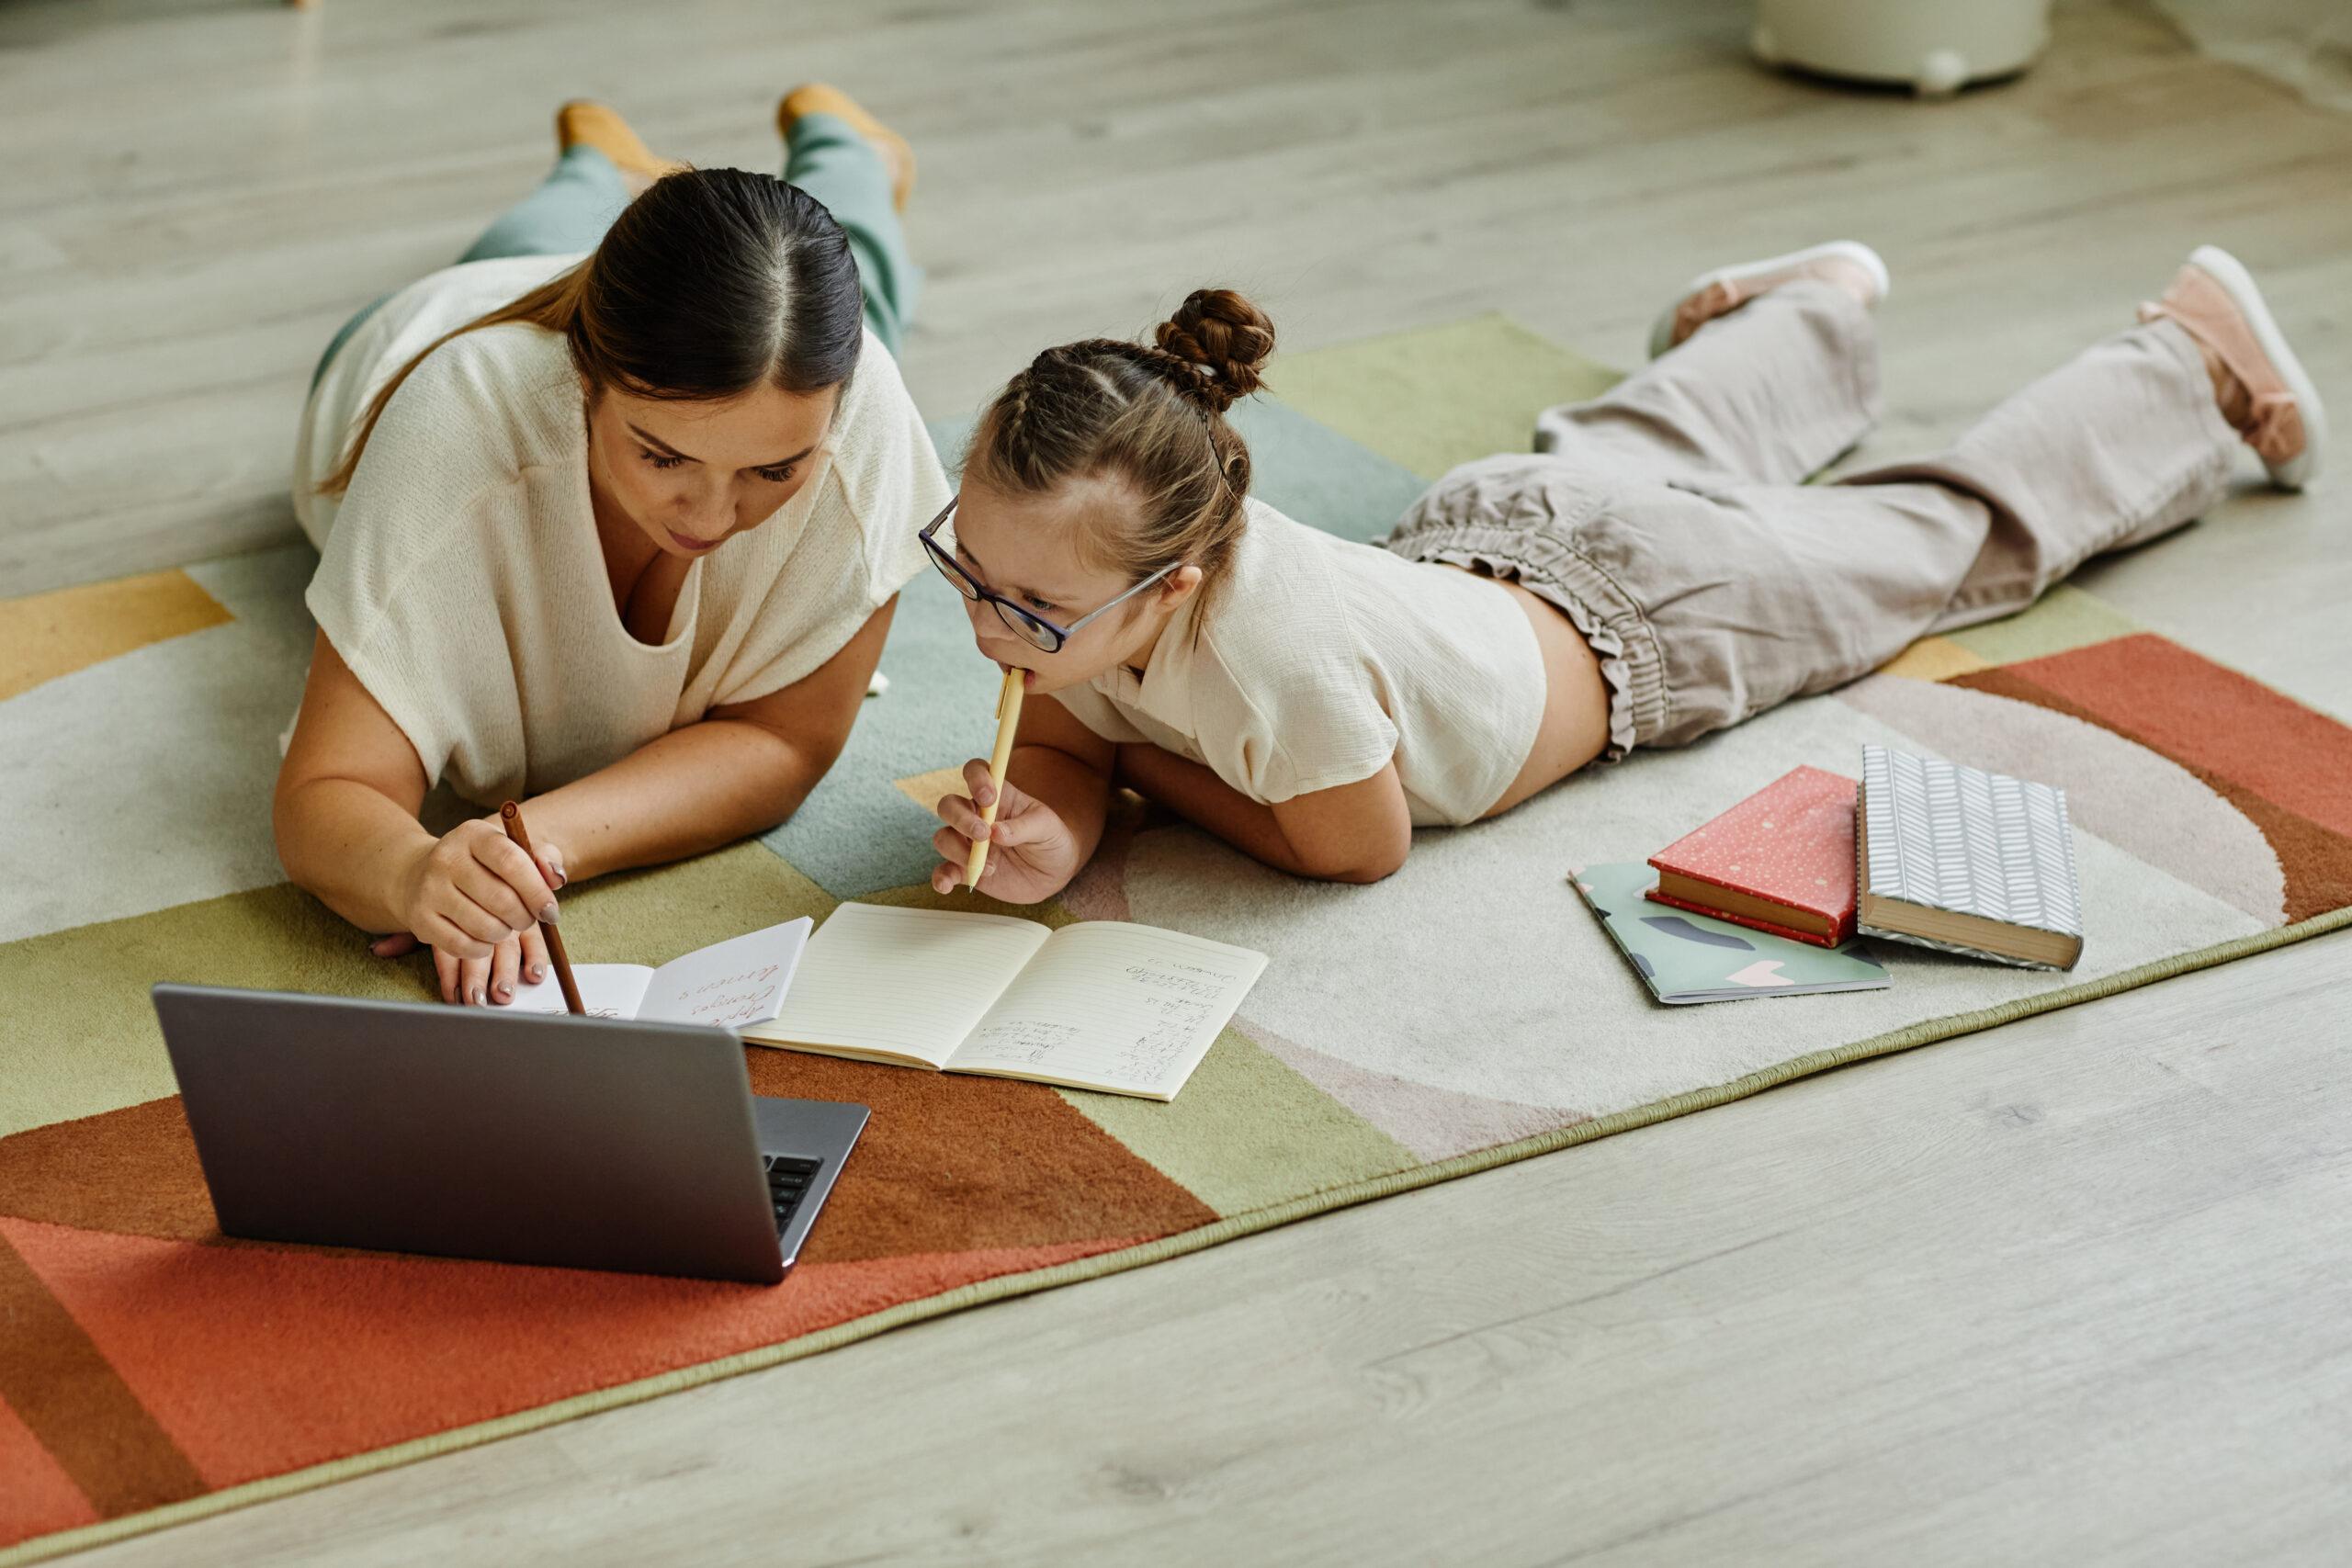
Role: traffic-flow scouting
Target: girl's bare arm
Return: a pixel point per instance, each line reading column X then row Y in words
column 1357, row 832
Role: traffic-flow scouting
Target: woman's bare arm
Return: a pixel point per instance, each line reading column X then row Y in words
column 351, row 785
column 1357, row 832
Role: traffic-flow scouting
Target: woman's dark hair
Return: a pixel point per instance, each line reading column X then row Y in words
column 1152, row 417
column 713, row 282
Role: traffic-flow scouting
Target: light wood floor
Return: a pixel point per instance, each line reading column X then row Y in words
column 2071, row 1291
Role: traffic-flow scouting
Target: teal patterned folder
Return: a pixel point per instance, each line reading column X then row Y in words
column 1684, row 957
column 1966, row 861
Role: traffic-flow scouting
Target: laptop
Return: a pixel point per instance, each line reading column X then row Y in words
column 581, row 1142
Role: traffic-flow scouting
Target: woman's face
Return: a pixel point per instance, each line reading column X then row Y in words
column 694, row 475
column 1026, row 547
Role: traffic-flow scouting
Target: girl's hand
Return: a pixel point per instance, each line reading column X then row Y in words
column 1032, row 852
column 476, row 899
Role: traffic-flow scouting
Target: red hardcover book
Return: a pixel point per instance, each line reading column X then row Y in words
column 1782, row 861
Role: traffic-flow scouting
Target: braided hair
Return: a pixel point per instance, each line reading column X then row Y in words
column 1150, row 416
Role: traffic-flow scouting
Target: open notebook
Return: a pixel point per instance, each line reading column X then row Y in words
column 1102, row 1004
column 731, row 984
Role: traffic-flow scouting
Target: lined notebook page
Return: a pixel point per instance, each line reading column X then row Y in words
column 912, row 982
column 1113, row 1006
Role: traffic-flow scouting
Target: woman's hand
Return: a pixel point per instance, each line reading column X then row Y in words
column 477, row 901
column 1033, row 852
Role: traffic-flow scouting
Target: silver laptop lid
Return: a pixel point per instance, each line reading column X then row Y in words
column 469, row 1132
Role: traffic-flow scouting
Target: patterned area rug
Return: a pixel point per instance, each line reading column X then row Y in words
column 1465, row 1012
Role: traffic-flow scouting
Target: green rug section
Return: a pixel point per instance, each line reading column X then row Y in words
column 79, row 1035
column 1313, row 473
column 2063, row 619
column 1437, row 397
column 654, row 916
column 1248, row 1132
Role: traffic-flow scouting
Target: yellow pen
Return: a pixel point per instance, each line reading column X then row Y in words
column 1008, row 719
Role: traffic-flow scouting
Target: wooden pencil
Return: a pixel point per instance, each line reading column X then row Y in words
column 1008, row 720
column 512, row 815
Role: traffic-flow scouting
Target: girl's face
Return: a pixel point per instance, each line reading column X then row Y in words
column 694, row 475
column 1026, row 547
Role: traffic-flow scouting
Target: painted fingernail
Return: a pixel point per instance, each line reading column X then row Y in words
column 477, row 998
column 548, row 914
column 562, row 881
column 536, row 974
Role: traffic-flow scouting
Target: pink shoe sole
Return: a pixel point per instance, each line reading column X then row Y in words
column 1869, row 260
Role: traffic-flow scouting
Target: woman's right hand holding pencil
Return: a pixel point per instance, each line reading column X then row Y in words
column 477, row 901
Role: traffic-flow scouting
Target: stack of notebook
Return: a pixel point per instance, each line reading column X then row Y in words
column 1922, row 851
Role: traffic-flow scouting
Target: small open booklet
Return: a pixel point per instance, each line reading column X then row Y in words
column 1102, row 1004
column 731, row 984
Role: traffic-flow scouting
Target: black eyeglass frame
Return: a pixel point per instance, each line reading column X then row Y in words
column 1033, row 628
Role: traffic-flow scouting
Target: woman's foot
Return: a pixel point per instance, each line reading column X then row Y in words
column 584, row 122
column 1843, row 263
column 817, row 97
column 822, row 99
column 2260, row 385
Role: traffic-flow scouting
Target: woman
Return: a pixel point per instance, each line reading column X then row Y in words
column 619, row 533
column 1658, row 571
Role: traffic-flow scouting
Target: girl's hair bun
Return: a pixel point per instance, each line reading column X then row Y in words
column 1223, row 341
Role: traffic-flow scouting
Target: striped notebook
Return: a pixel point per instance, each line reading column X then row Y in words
column 1966, row 860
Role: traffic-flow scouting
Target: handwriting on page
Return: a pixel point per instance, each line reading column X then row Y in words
column 1177, row 999
column 606, row 990
column 1138, row 1021
column 1020, row 1040
column 739, row 998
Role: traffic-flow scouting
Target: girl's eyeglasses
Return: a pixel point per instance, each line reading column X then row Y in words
column 1030, row 627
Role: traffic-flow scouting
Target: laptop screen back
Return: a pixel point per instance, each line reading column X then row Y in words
column 466, row 1132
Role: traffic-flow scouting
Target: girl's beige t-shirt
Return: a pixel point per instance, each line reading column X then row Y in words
column 1319, row 660
column 461, row 580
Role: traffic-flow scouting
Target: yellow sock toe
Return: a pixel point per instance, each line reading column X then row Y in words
column 817, row 97
column 585, row 121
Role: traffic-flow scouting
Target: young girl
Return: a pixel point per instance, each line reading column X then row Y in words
column 612, row 516
column 1657, row 569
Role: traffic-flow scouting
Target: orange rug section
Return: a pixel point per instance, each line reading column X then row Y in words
column 2206, row 715
column 149, row 1358
column 2286, row 768
column 39, row 1496
column 260, row 1359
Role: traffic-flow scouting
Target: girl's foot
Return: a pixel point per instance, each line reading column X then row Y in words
column 585, row 121
column 815, row 98
column 1844, row 263
column 2261, row 387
